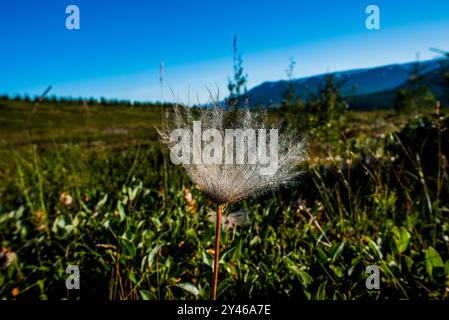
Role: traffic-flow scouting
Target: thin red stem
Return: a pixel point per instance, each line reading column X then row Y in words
column 217, row 251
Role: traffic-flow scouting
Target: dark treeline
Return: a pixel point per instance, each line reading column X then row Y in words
column 91, row 102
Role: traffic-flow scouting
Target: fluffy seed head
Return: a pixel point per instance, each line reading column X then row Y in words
column 233, row 182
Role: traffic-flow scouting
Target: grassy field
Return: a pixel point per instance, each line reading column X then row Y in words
column 88, row 187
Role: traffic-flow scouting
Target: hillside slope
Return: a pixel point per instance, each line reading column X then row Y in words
column 366, row 88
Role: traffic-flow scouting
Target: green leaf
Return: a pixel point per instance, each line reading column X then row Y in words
column 189, row 288
column 321, row 293
column 153, row 253
column 337, row 270
column 321, row 254
column 121, row 211
column 374, row 247
column 409, row 263
column 401, row 238
column 128, row 247
column 132, row 277
column 433, row 260
column 354, row 263
column 306, row 279
column 207, row 260
column 145, row 294
column 102, row 202
column 338, row 251
column 224, row 285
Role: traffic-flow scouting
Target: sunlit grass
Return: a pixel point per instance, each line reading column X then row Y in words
column 382, row 200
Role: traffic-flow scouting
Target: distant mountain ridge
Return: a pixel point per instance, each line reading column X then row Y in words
column 360, row 85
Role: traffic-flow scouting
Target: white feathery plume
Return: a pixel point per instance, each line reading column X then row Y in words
column 229, row 183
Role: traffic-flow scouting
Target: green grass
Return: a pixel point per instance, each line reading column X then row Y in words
column 53, row 125
column 389, row 207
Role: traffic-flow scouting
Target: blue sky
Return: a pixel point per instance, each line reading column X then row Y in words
column 118, row 49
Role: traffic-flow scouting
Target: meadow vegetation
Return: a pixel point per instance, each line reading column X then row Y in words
column 89, row 187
